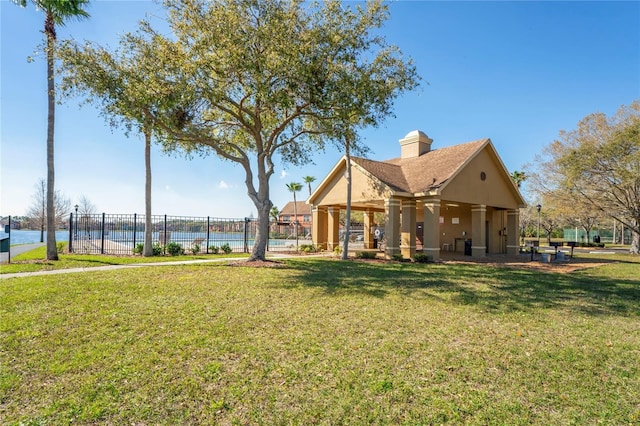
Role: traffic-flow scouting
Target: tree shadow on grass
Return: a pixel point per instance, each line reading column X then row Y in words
column 491, row 288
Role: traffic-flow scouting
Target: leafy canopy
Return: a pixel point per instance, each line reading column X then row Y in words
column 250, row 80
column 596, row 168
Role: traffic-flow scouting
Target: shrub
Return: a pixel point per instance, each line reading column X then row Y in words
column 214, row 249
column 398, row 257
column 60, row 245
column 174, row 249
column 366, row 255
column 599, row 245
column 337, row 250
column 226, row 248
column 307, row 248
column 157, row 249
column 195, row 249
column 421, row 258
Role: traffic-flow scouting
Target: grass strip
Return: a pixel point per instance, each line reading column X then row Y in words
column 35, row 260
column 322, row 341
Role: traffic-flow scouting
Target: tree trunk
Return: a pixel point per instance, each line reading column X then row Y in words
column 262, row 233
column 52, row 251
column 43, row 206
column 295, row 220
column 347, row 221
column 635, row 238
column 262, row 202
column 148, row 226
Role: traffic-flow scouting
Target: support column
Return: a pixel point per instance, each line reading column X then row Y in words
column 319, row 233
column 408, row 235
column 513, row 228
column 431, row 231
column 478, row 233
column 333, row 227
column 368, row 229
column 392, row 227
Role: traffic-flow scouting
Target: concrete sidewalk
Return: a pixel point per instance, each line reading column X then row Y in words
column 18, row 249
column 142, row 265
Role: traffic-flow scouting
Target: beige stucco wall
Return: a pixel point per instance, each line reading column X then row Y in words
column 454, row 234
column 449, row 231
column 363, row 189
column 467, row 187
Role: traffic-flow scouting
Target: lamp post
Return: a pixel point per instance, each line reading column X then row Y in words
column 76, row 233
column 538, row 207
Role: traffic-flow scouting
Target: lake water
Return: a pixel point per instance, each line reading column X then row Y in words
column 29, row 237
column 234, row 239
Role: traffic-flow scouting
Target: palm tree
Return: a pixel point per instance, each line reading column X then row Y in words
column 308, row 180
column 57, row 12
column 274, row 213
column 147, row 250
column 518, row 177
column 295, row 187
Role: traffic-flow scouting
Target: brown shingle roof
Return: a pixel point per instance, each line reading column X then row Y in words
column 390, row 174
column 303, row 208
column 423, row 173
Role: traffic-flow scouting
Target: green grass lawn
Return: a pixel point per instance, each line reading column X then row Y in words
column 35, row 260
column 321, row 341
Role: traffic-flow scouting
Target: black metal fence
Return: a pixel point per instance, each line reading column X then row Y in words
column 121, row 233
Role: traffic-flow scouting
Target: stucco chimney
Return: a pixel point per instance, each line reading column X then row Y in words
column 415, row 144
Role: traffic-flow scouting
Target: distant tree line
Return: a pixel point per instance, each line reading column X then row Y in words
column 589, row 178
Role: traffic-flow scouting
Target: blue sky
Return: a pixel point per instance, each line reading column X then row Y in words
column 515, row 72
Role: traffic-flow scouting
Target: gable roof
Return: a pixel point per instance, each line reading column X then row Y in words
column 302, row 207
column 424, row 173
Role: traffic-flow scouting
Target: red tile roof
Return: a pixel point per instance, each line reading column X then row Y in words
column 303, row 208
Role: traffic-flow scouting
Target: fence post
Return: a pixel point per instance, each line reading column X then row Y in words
column 9, row 248
column 208, row 228
column 246, row 230
column 135, row 223
column 102, row 232
column 164, row 239
column 71, row 233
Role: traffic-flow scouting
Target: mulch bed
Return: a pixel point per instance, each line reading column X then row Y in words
column 522, row 262
column 258, row 264
column 516, row 262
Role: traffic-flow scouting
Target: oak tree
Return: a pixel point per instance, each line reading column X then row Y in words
column 598, row 166
column 258, row 81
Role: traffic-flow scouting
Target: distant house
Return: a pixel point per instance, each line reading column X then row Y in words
column 288, row 218
column 459, row 198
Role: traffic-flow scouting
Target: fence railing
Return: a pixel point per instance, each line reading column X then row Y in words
column 120, row 233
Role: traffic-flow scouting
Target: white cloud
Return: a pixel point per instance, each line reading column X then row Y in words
column 167, row 188
column 283, row 174
column 223, row 185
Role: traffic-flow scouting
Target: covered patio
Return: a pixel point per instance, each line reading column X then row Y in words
column 459, row 198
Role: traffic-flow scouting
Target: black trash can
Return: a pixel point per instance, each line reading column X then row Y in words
column 4, row 245
column 467, row 247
